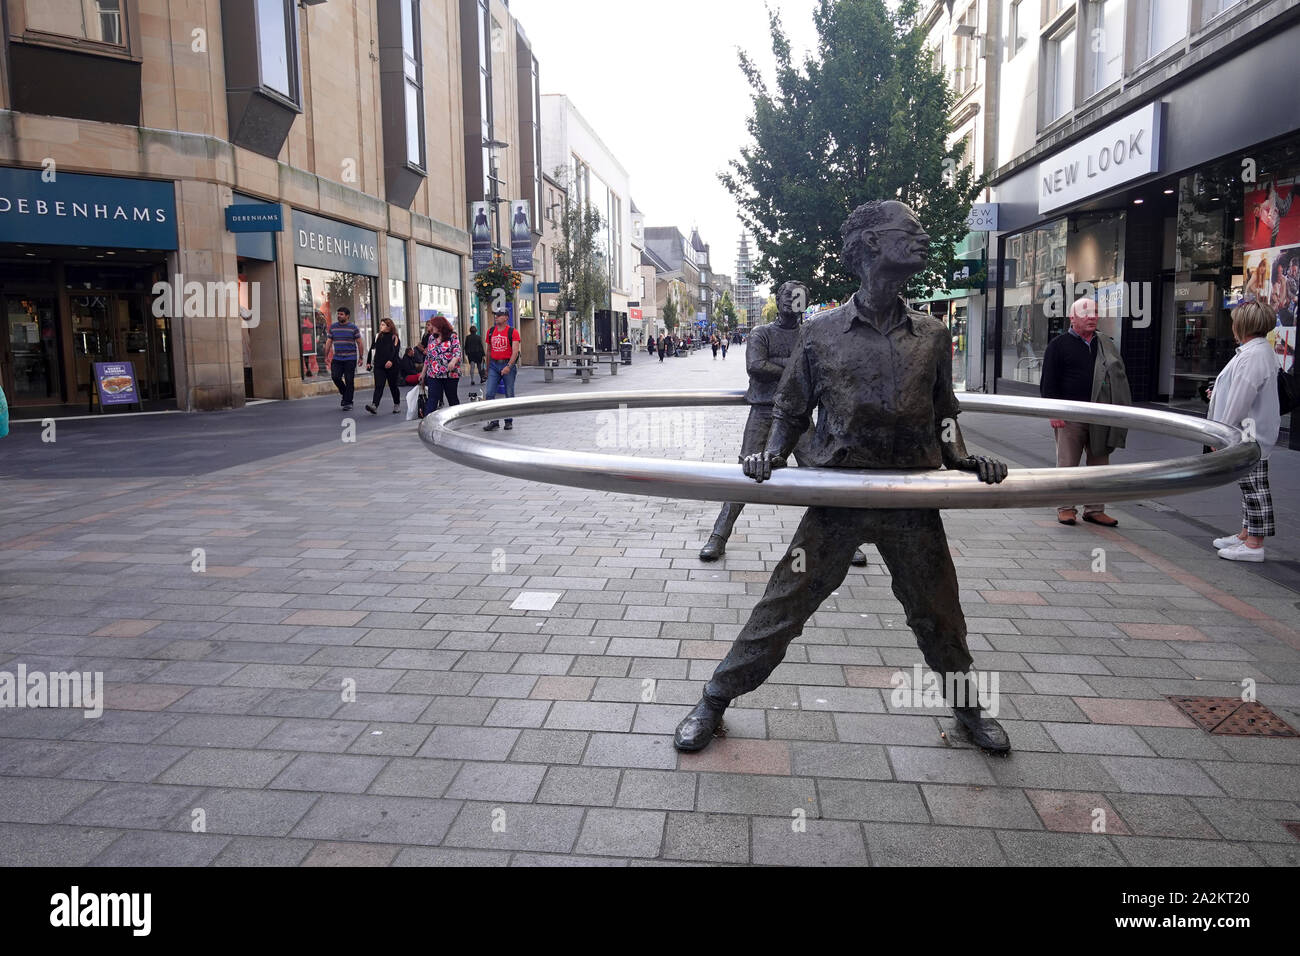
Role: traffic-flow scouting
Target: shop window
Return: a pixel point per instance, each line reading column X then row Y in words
column 99, row 21
column 321, row 293
column 1213, row 8
column 966, row 56
column 1034, row 264
column 1103, row 57
column 1058, row 75
column 263, row 88
column 440, row 300
column 412, row 71
column 1159, row 25
column 274, row 53
column 1023, row 23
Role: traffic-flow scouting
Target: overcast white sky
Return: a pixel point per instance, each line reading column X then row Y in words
column 660, row 84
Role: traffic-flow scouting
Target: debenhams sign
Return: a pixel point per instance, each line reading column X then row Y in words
column 1125, row 150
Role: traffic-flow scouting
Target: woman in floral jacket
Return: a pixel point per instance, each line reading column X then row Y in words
column 442, row 363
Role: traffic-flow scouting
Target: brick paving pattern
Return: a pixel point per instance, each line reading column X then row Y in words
column 353, row 687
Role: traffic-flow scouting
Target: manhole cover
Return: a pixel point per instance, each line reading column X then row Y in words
column 1254, row 720
column 1208, row 712
column 1232, row 715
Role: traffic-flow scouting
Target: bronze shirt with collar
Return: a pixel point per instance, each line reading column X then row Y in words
column 881, row 394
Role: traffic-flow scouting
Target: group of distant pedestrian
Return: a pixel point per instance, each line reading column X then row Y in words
column 434, row 364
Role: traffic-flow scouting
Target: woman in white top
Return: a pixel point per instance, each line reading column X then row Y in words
column 1245, row 396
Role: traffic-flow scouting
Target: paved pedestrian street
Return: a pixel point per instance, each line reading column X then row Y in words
column 325, row 655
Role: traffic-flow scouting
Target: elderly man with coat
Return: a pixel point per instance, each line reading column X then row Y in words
column 1084, row 365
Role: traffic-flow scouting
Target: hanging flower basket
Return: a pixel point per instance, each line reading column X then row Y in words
column 498, row 275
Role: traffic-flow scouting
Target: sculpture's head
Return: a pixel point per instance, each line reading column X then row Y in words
column 884, row 238
column 791, row 298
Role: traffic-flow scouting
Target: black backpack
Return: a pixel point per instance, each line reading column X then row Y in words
column 1287, row 391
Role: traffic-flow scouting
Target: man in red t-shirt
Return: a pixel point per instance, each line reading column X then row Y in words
column 503, row 362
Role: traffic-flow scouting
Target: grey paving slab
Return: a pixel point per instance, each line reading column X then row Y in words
column 872, row 800
column 710, row 837
column 336, row 773
column 802, row 842
column 378, row 819
column 516, row 827
column 25, row 844
column 901, row 844
column 152, row 848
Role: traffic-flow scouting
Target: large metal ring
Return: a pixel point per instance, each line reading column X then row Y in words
column 843, row 487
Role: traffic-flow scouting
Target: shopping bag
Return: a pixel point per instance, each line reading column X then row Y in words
column 413, row 404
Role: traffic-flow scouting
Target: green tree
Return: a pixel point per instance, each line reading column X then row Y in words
column 580, row 261
column 863, row 117
column 726, row 311
column 769, row 310
column 670, row 311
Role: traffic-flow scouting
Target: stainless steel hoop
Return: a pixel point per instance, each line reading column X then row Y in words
column 842, row 487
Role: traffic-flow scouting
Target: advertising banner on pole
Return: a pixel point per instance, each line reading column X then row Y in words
column 521, row 235
column 480, row 231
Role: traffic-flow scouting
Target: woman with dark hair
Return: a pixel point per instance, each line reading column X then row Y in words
column 383, row 359
column 442, row 362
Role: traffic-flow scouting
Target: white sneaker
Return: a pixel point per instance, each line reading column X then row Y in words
column 1228, row 541
column 1239, row 552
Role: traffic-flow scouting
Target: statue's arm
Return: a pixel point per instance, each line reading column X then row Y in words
column 793, row 406
column 952, row 446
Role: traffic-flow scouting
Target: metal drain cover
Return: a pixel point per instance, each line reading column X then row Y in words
column 1208, row 712
column 1233, row 716
column 1255, row 720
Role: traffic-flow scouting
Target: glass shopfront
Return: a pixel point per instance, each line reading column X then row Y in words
column 320, row 295
column 438, row 292
column 1045, row 270
column 336, row 265
column 1234, row 242
column 79, row 257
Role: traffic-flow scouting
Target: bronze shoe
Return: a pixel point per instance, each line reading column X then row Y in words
column 714, row 549
column 985, row 732
column 698, row 727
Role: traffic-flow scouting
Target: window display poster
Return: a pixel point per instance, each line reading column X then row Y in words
column 1269, row 217
column 116, row 383
column 1272, row 276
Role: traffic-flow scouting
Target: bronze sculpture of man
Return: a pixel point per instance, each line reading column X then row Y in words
column 766, row 354
column 879, row 376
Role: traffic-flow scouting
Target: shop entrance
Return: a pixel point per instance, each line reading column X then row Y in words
column 112, row 320
column 29, row 350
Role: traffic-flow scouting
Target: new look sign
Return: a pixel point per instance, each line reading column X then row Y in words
column 1122, row 152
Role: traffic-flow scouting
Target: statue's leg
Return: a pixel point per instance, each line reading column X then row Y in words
column 915, row 549
column 924, row 580
column 754, row 440
column 813, row 567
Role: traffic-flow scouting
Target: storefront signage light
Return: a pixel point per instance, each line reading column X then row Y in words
column 1122, row 152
